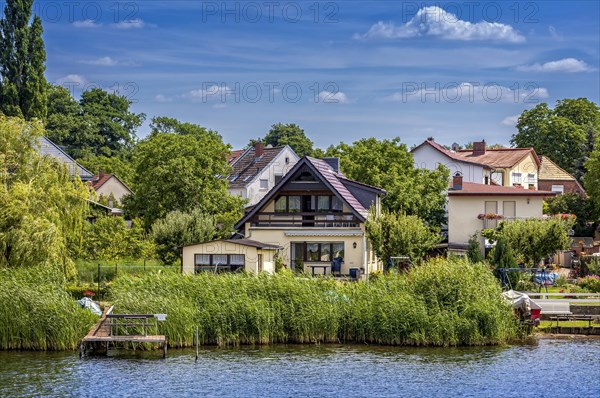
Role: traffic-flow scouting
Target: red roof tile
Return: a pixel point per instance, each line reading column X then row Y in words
column 471, row 188
column 451, row 154
column 99, row 180
column 498, row 158
column 234, row 155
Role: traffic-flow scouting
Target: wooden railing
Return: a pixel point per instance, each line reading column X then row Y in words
column 306, row 219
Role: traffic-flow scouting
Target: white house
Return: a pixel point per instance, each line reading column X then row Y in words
column 257, row 169
column 429, row 155
column 475, row 207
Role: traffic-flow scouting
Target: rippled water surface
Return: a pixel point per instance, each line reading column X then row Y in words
column 550, row 368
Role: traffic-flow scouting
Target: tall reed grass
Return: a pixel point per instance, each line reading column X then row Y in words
column 441, row 303
column 36, row 313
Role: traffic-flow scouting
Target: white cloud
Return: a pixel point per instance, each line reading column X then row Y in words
column 436, row 22
column 70, row 80
column 511, row 120
column 219, row 105
column 87, row 23
column 104, row 61
column 133, row 24
column 567, row 65
column 329, row 97
column 162, row 98
column 467, row 92
column 555, row 33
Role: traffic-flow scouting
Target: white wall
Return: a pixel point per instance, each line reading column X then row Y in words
column 463, row 212
column 426, row 157
column 277, row 167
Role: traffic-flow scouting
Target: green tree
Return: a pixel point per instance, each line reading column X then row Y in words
column 109, row 238
column 389, row 165
column 395, row 234
column 22, row 62
column 41, row 207
column 177, row 229
column 565, row 134
column 533, row 239
column 175, row 171
column 100, row 124
column 289, row 134
column 474, row 250
column 592, row 180
column 572, row 203
column 120, row 166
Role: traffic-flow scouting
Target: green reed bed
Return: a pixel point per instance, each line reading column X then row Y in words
column 441, row 303
column 36, row 313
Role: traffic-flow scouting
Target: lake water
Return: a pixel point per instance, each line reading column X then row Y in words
column 549, row 368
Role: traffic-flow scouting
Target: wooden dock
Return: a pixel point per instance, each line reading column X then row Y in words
column 106, row 330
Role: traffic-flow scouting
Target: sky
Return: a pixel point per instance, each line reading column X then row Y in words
column 341, row 70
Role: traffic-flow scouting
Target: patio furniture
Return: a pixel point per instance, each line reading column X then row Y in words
column 336, row 266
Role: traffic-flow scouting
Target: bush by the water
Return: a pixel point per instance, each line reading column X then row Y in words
column 443, row 303
column 36, row 313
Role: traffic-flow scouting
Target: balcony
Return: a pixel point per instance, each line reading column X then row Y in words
column 305, row 220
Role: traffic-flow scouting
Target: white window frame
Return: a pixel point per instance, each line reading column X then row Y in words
column 263, row 184
column 517, row 178
column 558, row 188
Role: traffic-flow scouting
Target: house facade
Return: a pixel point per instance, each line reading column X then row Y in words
column 510, row 167
column 317, row 216
column 475, row 207
column 555, row 179
column 429, row 155
column 229, row 255
column 109, row 185
column 257, row 169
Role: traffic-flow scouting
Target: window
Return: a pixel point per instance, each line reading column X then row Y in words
column 323, row 203
column 509, row 209
column 558, row 188
column 202, row 259
column 264, row 184
column 315, row 252
column 294, row 204
column 227, row 262
column 287, row 160
column 278, row 178
column 517, row 178
column 281, row 204
column 498, row 177
column 336, row 204
column 531, row 178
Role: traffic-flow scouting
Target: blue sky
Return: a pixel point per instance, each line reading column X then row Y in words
column 458, row 71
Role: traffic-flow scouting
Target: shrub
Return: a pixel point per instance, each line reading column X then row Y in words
column 440, row 303
column 590, row 282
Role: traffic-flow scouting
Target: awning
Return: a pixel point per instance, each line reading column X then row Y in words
column 320, row 232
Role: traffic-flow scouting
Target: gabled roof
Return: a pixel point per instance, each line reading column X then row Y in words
column 551, row 171
column 247, row 166
column 328, row 176
column 49, row 148
column 498, row 158
column 234, row 156
column 103, row 178
column 243, row 242
column 474, row 189
column 449, row 153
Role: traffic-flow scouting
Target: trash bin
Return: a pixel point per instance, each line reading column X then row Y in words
column 354, row 273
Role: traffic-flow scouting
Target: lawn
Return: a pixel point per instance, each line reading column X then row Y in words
column 87, row 270
column 548, row 324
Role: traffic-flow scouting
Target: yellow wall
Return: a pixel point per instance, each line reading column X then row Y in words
column 463, row 212
column 527, row 165
column 220, row 247
column 358, row 257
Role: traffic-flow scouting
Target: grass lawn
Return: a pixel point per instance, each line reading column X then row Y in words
column 548, row 324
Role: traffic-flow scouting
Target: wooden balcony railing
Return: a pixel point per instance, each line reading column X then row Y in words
column 306, row 220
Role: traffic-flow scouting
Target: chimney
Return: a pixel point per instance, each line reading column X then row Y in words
column 334, row 163
column 457, row 181
column 259, row 149
column 100, row 173
column 479, row 148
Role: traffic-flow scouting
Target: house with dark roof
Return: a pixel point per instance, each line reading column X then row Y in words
column 49, row 148
column 317, row 216
column 257, row 169
column 474, row 207
column 111, row 187
column 555, row 179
